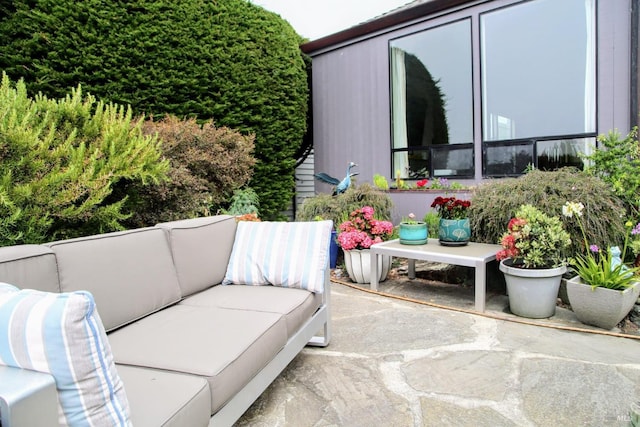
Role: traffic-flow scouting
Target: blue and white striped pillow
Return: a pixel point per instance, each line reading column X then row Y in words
column 287, row 254
column 62, row 335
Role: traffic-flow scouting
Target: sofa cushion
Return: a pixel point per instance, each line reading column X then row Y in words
column 201, row 248
column 162, row 398
column 130, row 273
column 62, row 335
column 296, row 305
column 226, row 347
column 29, row 266
column 288, row 254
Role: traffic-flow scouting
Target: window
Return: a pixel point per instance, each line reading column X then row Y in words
column 538, row 85
column 431, row 102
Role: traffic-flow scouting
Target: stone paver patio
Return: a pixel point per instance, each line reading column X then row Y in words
column 397, row 363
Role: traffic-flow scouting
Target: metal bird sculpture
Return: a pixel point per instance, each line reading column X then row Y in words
column 341, row 186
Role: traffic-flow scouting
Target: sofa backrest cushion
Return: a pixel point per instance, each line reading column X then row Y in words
column 288, row 254
column 201, row 248
column 129, row 273
column 61, row 334
column 29, row 266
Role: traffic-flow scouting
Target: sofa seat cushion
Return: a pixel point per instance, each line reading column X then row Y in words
column 287, row 254
column 62, row 335
column 129, row 273
column 296, row 305
column 161, row 398
column 226, row 347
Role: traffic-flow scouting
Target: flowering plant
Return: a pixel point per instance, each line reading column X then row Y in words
column 451, row 208
column 602, row 268
column 534, row 239
column 248, row 217
column 362, row 230
column 410, row 219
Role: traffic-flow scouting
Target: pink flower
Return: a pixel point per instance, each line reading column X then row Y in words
column 362, row 230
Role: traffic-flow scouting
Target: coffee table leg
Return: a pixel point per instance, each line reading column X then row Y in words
column 480, row 286
column 412, row 269
column 374, row 271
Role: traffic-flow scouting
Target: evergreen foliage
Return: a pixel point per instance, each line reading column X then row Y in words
column 59, row 162
column 226, row 60
column 207, row 163
column 337, row 208
column 494, row 203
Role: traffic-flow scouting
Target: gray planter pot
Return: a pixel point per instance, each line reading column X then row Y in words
column 600, row 307
column 532, row 292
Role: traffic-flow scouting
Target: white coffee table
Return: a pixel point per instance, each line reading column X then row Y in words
column 475, row 255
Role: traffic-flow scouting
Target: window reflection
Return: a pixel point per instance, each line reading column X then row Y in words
column 431, row 94
column 538, row 69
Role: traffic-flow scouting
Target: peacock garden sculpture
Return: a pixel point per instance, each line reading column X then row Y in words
column 340, row 186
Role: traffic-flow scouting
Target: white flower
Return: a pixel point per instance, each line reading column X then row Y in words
column 572, row 208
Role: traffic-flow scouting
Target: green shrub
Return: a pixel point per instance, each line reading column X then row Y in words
column 433, row 222
column 226, row 60
column 207, row 163
column 60, row 160
column 494, row 203
column 244, row 201
column 337, row 208
column 617, row 161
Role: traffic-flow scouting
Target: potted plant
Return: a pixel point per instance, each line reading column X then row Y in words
column 605, row 288
column 355, row 237
column 532, row 262
column 453, row 227
column 412, row 231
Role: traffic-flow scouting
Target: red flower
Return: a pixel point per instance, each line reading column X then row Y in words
column 422, row 183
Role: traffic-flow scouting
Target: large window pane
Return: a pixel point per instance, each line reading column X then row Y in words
column 431, row 93
column 538, row 69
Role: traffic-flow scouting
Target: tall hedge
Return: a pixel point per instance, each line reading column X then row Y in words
column 59, row 163
column 226, row 60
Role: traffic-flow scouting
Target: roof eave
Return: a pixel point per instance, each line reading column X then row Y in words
column 381, row 23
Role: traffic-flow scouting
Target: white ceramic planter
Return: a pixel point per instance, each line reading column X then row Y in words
column 600, row 307
column 358, row 264
column 532, row 292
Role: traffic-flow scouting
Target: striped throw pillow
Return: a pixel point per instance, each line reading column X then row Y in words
column 62, row 335
column 287, row 254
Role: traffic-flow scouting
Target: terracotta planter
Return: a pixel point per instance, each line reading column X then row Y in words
column 532, row 292
column 358, row 265
column 600, row 307
column 414, row 234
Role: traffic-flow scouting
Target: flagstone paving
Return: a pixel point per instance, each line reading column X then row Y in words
column 398, row 363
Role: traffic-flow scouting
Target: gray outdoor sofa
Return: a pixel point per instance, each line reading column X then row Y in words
column 188, row 350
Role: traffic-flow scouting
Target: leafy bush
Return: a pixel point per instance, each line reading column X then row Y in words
column 617, row 162
column 227, row 60
column 244, row 201
column 59, row 163
column 337, row 208
column 494, row 203
column 207, row 164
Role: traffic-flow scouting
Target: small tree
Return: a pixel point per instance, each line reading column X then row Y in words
column 60, row 160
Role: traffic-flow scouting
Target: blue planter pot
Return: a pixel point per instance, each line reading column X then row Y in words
column 414, row 234
column 333, row 250
column 454, row 232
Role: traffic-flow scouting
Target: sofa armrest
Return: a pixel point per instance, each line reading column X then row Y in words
column 27, row 398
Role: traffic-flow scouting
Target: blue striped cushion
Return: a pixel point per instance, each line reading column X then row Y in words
column 62, row 335
column 287, row 254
